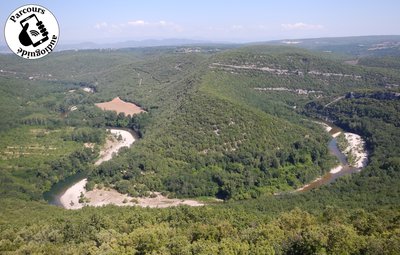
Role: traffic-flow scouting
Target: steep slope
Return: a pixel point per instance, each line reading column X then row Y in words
column 216, row 143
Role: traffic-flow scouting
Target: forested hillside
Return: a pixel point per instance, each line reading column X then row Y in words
column 234, row 124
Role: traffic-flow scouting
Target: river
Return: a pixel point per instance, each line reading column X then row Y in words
column 343, row 169
column 60, row 191
column 53, row 195
column 58, row 194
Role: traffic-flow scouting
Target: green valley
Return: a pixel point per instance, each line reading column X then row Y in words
column 233, row 126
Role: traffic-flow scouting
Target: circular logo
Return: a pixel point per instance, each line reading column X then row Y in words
column 31, row 31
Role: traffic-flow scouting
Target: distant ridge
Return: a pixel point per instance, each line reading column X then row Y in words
column 136, row 44
column 331, row 40
column 353, row 45
column 358, row 46
column 129, row 44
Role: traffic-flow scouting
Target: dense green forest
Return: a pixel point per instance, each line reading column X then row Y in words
column 235, row 125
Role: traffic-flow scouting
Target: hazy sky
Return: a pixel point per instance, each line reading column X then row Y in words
column 217, row 20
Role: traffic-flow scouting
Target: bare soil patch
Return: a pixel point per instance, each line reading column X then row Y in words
column 101, row 197
column 119, row 106
column 109, row 196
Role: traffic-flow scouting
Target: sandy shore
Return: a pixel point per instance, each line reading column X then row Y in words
column 357, row 150
column 107, row 196
column 101, row 197
column 70, row 198
column 113, row 144
column 309, row 184
column 326, row 126
column 336, row 169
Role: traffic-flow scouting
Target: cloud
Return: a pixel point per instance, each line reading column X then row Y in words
column 237, row 27
column 101, row 25
column 137, row 23
column 301, row 26
column 163, row 23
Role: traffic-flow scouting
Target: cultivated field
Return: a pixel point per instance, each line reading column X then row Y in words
column 119, row 105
